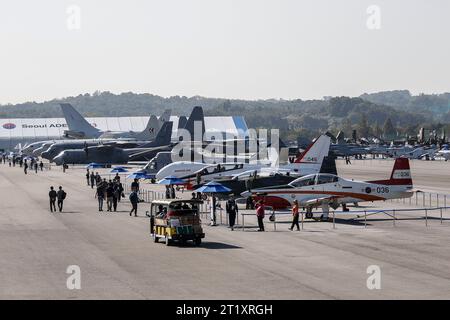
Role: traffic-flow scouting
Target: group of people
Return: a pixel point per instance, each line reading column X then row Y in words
column 54, row 195
column 347, row 160
column 111, row 191
column 232, row 211
column 170, row 192
column 93, row 179
column 34, row 164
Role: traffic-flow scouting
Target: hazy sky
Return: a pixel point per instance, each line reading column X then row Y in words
column 252, row 49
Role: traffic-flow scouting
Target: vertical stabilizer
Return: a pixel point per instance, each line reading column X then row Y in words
column 151, row 130
column 77, row 124
column 196, row 120
column 316, row 152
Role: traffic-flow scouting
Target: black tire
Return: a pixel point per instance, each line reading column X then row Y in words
column 309, row 215
column 155, row 238
column 198, row 241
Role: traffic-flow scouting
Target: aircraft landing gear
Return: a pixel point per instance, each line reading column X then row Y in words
column 344, row 208
column 309, row 214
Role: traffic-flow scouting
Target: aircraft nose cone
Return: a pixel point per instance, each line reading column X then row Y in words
column 59, row 159
column 246, row 194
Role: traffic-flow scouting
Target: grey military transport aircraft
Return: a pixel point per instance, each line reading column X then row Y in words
column 109, row 154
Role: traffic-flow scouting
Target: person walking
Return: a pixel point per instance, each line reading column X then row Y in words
column 61, row 194
column 36, row 167
column 98, row 179
column 88, row 177
column 116, row 195
column 213, row 205
column 100, row 195
column 198, row 178
column 232, row 211
column 92, row 179
column 109, row 196
column 52, row 195
column 121, row 194
column 249, row 203
column 41, row 166
column 25, row 167
column 172, row 192
column 167, row 192
column 135, row 185
column 295, row 215
column 134, row 199
column 260, row 211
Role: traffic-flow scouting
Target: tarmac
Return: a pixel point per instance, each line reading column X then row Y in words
column 118, row 259
column 430, row 176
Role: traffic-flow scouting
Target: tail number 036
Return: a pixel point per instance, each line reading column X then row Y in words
column 382, row 189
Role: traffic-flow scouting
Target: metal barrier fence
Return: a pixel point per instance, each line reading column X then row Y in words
column 144, row 194
column 425, row 199
column 149, row 195
column 363, row 214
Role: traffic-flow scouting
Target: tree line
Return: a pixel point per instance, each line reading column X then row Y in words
column 379, row 114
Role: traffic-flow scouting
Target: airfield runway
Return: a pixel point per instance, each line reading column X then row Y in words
column 118, row 259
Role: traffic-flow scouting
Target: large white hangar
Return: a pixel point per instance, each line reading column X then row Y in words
column 22, row 131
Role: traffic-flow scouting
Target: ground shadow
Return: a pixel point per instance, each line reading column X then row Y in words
column 206, row 245
column 218, row 245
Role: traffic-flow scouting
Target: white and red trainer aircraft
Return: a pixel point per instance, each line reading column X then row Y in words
column 327, row 190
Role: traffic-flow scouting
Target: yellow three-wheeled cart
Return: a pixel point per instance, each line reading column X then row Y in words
column 176, row 220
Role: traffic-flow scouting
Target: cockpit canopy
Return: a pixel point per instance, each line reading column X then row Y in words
column 314, row 179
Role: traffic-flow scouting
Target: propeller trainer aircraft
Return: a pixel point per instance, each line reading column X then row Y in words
column 327, row 190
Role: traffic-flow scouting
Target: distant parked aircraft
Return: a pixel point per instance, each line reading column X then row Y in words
column 79, row 128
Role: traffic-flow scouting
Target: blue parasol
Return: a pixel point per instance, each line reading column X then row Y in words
column 139, row 175
column 171, row 180
column 94, row 165
column 213, row 187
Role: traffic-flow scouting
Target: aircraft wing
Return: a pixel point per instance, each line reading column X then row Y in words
column 316, row 202
column 263, row 172
column 146, row 153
